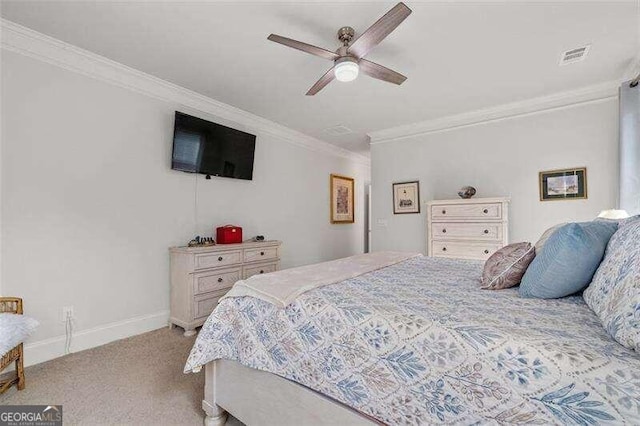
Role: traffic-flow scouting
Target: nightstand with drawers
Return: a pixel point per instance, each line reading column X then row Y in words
column 200, row 276
column 467, row 229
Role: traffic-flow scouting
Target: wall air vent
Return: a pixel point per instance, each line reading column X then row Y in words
column 338, row 130
column 574, row 55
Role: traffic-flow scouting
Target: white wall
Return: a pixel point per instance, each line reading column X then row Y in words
column 500, row 158
column 90, row 205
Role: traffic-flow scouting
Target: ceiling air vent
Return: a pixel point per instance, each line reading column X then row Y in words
column 574, row 55
column 338, row 130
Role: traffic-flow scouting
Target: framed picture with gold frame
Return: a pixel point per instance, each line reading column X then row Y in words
column 565, row 184
column 342, row 206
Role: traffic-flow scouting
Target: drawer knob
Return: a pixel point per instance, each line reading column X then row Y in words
column 486, row 252
column 261, row 253
column 444, row 249
column 261, row 271
column 485, row 211
column 219, row 280
column 444, row 231
column 220, row 259
column 444, row 212
column 486, row 231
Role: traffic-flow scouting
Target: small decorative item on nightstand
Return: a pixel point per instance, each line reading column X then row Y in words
column 466, row 192
column 229, row 234
column 199, row 241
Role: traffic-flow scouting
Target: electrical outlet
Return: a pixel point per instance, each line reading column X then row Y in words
column 67, row 312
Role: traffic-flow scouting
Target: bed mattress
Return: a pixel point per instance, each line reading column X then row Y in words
column 420, row 343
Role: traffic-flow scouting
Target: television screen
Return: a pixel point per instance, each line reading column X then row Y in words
column 200, row 146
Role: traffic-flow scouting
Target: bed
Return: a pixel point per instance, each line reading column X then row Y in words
column 416, row 342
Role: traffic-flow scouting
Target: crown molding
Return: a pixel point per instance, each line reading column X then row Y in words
column 510, row 110
column 25, row 41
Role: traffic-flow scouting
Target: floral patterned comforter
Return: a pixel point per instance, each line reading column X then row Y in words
column 419, row 343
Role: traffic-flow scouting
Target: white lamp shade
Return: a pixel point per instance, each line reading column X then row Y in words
column 346, row 71
column 613, row 214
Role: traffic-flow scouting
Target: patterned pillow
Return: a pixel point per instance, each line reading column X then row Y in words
column 629, row 220
column 545, row 236
column 621, row 314
column 506, row 267
column 621, row 260
column 620, row 222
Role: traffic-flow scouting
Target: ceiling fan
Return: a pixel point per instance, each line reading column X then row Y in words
column 348, row 59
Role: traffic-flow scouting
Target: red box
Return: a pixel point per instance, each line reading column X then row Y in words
column 228, row 234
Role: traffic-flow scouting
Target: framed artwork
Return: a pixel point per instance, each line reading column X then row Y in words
column 406, row 197
column 566, row 184
column 342, row 199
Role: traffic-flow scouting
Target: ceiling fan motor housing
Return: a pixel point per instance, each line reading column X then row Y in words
column 345, row 35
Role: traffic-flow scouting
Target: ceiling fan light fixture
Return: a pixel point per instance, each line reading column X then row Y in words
column 348, row 60
column 346, row 69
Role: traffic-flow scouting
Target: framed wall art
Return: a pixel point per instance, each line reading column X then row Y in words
column 342, row 199
column 565, row 184
column 406, row 197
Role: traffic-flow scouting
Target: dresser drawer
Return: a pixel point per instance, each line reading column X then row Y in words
column 204, row 304
column 260, row 269
column 258, row 254
column 212, row 260
column 463, row 250
column 205, row 282
column 469, row 231
column 467, row 211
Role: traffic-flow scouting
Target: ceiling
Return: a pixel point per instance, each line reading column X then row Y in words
column 458, row 56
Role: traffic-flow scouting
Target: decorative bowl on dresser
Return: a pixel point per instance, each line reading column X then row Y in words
column 200, row 276
column 467, row 229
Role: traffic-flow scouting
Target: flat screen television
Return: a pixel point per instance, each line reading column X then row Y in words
column 200, row 146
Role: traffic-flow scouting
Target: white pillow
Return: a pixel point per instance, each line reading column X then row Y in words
column 14, row 329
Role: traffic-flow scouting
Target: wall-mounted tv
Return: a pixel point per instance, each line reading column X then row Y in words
column 200, row 146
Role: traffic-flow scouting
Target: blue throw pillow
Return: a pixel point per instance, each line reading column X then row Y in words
column 568, row 260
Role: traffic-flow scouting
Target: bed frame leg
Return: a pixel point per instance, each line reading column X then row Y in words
column 216, row 416
column 216, row 421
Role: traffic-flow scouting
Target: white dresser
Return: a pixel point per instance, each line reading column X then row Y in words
column 467, row 229
column 202, row 275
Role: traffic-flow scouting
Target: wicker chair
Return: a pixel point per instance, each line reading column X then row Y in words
column 12, row 305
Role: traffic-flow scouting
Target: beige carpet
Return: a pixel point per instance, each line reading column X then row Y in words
column 138, row 380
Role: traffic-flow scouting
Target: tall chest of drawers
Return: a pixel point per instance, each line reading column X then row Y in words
column 467, row 229
column 200, row 276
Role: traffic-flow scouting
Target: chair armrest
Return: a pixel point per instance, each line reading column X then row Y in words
column 11, row 305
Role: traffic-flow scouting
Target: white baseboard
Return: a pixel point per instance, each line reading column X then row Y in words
column 45, row 350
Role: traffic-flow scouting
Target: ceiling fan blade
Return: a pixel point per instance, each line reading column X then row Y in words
column 381, row 73
column 307, row 48
column 320, row 84
column 378, row 31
